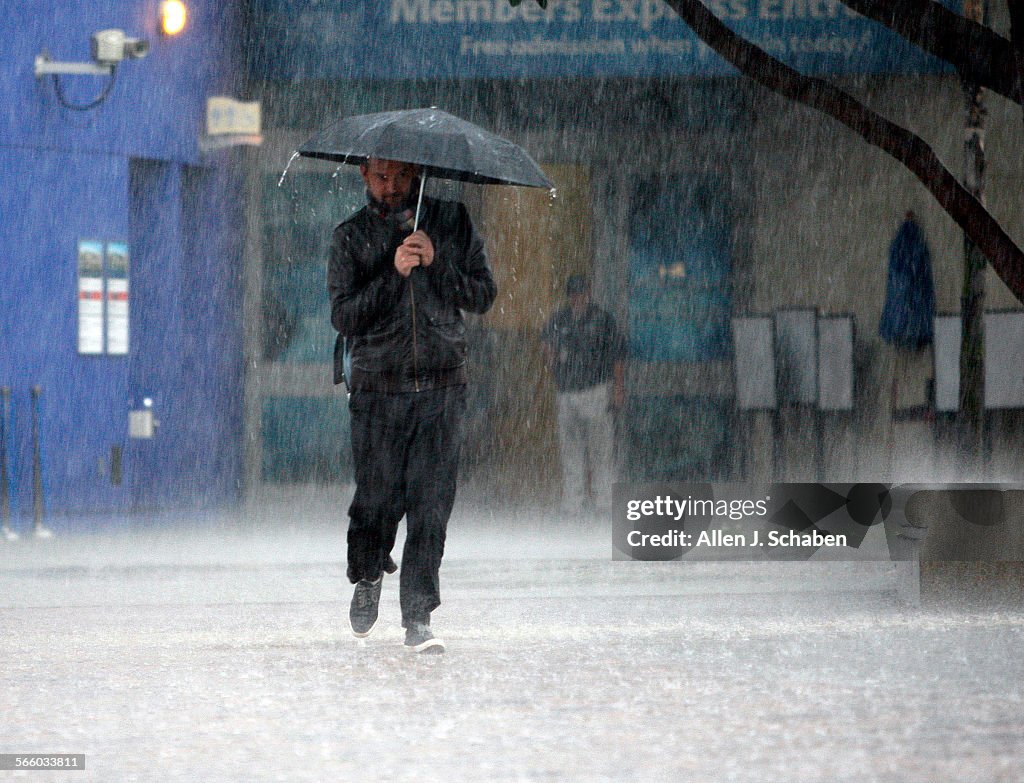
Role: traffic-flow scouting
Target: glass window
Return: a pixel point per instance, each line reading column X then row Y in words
column 306, row 439
column 680, row 298
column 299, row 214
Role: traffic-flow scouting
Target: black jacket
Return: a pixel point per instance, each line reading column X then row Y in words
column 406, row 334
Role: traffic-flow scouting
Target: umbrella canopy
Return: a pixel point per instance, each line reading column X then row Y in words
column 909, row 310
column 446, row 146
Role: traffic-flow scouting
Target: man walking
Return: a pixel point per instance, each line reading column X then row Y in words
column 585, row 352
column 398, row 296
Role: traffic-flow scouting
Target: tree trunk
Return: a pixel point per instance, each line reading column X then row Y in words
column 972, row 300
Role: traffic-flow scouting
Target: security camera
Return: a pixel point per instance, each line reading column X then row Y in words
column 136, row 48
column 109, row 47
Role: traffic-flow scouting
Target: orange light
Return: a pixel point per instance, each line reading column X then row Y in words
column 172, row 17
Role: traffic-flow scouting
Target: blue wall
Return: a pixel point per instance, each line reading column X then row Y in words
column 83, row 196
column 128, row 170
column 157, row 106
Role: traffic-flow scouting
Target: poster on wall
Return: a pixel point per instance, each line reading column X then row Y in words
column 90, row 297
column 117, row 298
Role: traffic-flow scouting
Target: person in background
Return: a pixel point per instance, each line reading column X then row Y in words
column 585, row 352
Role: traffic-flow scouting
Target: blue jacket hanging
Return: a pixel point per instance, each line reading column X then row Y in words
column 909, row 312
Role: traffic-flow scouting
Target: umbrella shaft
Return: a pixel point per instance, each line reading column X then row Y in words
column 419, row 203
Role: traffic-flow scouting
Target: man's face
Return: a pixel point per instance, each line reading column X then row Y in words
column 389, row 181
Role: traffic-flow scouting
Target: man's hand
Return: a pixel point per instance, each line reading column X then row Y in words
column 416, row 250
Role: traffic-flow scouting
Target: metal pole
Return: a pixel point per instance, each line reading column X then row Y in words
column 5, row 487
column 819, row 446
column 38, row 529
column 972, row 300
column 777, row 448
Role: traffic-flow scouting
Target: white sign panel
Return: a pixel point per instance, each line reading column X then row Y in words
column 117, row 298
column 835, row 363
column 796, row 351
column 947, row 363
column 1004, row 360
column 90, row 297
column 753, row 347
column 227, row 116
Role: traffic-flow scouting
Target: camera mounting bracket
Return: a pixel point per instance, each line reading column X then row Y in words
column 44, row 66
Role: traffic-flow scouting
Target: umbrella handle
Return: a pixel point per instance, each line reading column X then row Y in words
column 419, row 202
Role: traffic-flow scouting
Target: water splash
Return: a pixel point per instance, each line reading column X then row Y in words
column 285, row 172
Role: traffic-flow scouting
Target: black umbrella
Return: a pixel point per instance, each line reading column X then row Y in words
column 444, row 145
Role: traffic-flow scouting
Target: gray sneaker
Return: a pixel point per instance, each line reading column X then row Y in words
column 362, row 613
column 418, row 638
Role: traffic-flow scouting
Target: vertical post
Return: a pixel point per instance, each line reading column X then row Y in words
column 972, row 302
column 254, row 375
column 5, row 487
column 819, row 444
column 778, row 452
column 38, row 509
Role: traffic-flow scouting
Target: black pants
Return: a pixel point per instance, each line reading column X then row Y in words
column 406, row 453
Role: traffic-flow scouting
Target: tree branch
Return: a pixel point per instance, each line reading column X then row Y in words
column 909, row 149
column 979, row 54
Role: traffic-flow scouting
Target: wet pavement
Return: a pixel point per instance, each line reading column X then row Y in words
column 221, row 652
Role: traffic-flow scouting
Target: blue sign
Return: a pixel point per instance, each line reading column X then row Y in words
column 453, row 39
